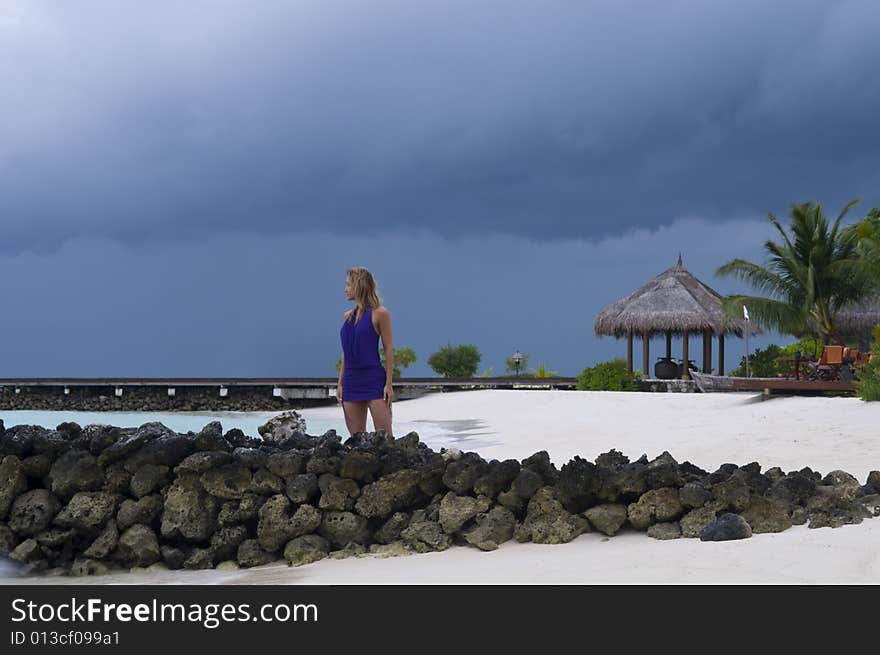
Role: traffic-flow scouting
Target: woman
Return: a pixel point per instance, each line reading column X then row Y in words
column 363, row 383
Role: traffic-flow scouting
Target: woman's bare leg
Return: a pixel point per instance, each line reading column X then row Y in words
column 381, row 415
column 355, row 415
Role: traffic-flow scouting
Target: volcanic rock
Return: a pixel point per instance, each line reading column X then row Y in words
column 491, row 529
column 306, row 549
column 655, row 506
column 190, row 512
column 725, row 528
column 607, row 518
column 12, row 483
column 341, row 528
column 547, row 521
column 138, row 546
column 88, row 512
column 32, row 512
column 73, row 471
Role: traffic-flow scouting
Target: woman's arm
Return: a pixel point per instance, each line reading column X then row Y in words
column 384, row 317
column 341, row 367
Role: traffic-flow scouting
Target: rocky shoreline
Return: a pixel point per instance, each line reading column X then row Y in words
column 152, row 399
column 88, row 500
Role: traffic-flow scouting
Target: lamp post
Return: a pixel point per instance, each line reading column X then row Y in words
column 517, row 357
column 748, row 327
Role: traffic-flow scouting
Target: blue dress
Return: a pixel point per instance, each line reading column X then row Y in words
column 364, row 376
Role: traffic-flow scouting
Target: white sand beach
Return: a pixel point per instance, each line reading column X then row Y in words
column 705, row 429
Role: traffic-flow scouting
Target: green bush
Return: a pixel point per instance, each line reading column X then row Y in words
column 762, row 363
column 459, row 361
column 809, row 347
column 608, row 376
column 868, row 387
column 403, row 357
column 543, row 372
column 766, row 363
column 510, row 365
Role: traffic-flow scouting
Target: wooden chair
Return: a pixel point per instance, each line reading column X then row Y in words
column 793, row 366
column 833, row 355
column 828, row 366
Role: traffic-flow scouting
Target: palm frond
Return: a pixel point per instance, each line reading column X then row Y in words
column 767, row 313
column 776, row 224
column 852, row 203
column 758, row 276
column 815, row 270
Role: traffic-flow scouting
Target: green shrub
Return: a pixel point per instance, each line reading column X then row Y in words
column 459, row 361
column 868, row 387
column 809, row 347
column 543, row 372
column 607, row 376
column 511, row 367
column 403, row 357
column 766, row 363
column 762, row 363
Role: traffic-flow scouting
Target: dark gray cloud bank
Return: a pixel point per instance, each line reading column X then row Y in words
column 246, row 304
column 183, row 179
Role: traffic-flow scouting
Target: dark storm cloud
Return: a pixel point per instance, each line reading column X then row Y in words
column 257, row 305
column 145, row 121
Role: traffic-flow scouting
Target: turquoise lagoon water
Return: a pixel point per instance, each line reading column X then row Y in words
column 247, row 422
column 440, row 434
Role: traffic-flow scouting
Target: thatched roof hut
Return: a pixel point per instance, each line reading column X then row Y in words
column 855, row 323
column 674, row 302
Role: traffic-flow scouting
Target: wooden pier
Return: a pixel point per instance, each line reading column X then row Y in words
column 284, row 387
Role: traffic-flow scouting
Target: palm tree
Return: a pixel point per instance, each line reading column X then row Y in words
column 867, row 236
column 809, row 276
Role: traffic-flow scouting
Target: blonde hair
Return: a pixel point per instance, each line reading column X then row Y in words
column 363, row 287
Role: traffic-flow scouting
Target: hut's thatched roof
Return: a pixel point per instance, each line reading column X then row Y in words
column 857, row 321
column 673, row 301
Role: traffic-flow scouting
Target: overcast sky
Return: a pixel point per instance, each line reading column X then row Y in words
column 182, row 185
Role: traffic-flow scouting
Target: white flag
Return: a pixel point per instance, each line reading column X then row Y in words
column 745, row 313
